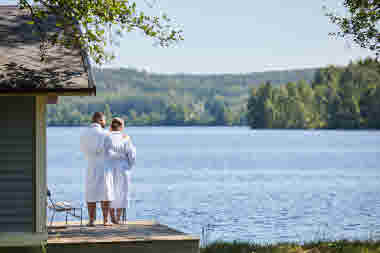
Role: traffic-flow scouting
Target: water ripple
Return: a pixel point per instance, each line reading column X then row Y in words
column 270, row 186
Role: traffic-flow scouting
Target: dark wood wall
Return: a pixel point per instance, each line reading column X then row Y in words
column 17, row 163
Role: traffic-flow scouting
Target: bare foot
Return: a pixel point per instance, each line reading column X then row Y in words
column 90, row 224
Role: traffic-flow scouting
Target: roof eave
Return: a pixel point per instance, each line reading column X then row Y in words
column 48, row 92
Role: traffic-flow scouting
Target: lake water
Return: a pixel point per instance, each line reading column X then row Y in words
column 242, row 184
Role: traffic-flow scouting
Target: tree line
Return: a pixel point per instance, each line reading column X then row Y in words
column 161, row 99
column 331, row 98
column 337, row 98
column 140, row 111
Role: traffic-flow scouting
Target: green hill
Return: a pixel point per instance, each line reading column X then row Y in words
column 169, row 99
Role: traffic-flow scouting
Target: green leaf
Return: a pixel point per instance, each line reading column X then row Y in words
column 94, row 16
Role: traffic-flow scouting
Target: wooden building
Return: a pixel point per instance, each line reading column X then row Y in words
column 26, row 85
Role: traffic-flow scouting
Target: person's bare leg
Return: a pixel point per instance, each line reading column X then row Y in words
column 105, row 210
column 91, row 206
column 113, row 218
column 119, row 212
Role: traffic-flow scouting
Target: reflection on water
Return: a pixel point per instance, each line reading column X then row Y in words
column 266, row 185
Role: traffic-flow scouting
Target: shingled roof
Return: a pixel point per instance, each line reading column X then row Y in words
column 63, row 72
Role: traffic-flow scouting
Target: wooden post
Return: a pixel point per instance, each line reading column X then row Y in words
column 40, row 175
column 52, row 100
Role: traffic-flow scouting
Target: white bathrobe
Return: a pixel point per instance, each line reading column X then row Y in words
column 120, row 157
column 92, row 146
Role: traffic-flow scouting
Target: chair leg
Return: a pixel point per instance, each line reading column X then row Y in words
column 66, row 217
column 81, row 216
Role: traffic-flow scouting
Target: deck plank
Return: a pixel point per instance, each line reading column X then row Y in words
column 145, row 236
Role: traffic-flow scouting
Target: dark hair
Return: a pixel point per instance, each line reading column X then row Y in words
column 97, row 116
column 116, row 124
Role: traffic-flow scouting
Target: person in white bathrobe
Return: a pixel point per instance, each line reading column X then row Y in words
column 120, row 157
column 92, row 146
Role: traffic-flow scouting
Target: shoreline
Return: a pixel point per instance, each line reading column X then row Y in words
column 338, row 246
column 242, row 126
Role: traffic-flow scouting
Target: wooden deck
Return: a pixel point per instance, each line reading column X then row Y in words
column 132, row 237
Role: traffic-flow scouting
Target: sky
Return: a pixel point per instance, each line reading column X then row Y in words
column 239, row 36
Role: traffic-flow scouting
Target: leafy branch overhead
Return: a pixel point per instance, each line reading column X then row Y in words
column 362, row 23
column 89, row 23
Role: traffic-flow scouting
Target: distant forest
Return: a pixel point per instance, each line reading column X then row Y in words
column 332, row 97
column 173, row 100
column 337, row 98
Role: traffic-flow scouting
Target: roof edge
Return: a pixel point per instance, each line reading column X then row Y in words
column 48, row 92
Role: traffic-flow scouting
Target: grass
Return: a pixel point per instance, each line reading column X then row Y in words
column 342, row 246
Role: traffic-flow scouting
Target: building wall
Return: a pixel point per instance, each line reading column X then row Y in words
column 17, row 164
